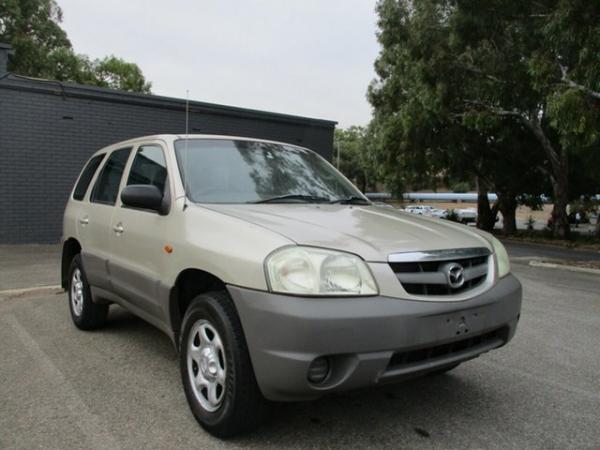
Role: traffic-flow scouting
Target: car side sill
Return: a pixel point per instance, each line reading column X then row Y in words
column 100, row 294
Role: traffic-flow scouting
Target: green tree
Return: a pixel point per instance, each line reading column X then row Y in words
column 116, row 73
column 457, row 77
column 354, row 146
column 424, row 137
column 43, row 50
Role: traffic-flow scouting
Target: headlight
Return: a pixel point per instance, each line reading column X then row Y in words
column 501, row 258
column 315, row 271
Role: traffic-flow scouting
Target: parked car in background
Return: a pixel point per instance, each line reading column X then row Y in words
column 274, row 277
column 420, row 210
column 426, row 210
column 466, row 215
column 416, row 209
column 439, row 213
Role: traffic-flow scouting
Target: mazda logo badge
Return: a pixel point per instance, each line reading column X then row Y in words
column 455, row 274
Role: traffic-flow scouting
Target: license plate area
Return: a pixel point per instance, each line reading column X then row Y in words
column 464, row 323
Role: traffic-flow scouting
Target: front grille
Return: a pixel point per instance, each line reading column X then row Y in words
column 430, row 354
column 428, row 273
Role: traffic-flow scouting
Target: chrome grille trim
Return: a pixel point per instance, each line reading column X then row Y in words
column 439, row 277
column 427, row 274
column 439, row 255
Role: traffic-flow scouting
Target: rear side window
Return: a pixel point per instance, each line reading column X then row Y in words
column 149, row 167
column 86, row 177
column 106, row 188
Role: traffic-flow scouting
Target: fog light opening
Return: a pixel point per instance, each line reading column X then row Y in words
column 318, row 371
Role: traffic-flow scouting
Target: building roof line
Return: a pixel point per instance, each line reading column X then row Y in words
column 65, row 89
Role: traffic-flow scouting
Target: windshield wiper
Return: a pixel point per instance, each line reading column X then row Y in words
column 352, row 200
column 301, row 197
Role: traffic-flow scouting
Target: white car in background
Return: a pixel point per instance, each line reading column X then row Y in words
column 420, row 210
column 439, row 213
column 426, row 210
column 466, row 215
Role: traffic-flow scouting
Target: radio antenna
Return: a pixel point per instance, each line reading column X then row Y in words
column 185, row 149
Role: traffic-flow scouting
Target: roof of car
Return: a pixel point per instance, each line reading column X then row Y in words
column 173, row 137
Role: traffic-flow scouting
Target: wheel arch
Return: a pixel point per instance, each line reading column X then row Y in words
column 71, row 248
column 190, row 283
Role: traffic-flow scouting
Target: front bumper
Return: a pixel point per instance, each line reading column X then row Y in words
column 368, row 340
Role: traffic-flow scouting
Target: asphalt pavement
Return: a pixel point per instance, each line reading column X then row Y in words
column 119, row 387
column 27, row 266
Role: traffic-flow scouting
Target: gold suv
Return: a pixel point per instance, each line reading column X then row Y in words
column 273, row 275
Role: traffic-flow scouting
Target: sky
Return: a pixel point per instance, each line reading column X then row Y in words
column 305, row 57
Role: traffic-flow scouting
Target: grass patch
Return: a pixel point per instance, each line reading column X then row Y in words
column 576, row 241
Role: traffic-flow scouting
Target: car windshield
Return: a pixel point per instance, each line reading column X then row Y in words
column 236, row 171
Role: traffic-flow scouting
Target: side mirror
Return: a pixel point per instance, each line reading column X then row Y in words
column 143, row 196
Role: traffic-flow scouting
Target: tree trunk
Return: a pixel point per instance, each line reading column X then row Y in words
column 559, row 161
column 508, row 208
column 560, row 218
column 486, row 216
column 365, row 184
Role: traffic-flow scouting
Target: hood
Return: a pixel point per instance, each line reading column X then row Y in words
column 369, row 231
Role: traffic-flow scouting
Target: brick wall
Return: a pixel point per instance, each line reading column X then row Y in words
column 48, row 131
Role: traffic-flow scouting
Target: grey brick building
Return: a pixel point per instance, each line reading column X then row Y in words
column 49, row 129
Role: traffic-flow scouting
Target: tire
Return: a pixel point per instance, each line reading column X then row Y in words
column 444, row 370
column 86, row 314
column 237, row 406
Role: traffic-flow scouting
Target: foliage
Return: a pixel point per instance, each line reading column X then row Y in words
column 530, row 223
column 460, row 186
column 586, row 207
column 426, row 136
column 43, row 50
column 488, row 90
column 32, row 28
column 566, row 65
column 356, row 156
column 116, row 73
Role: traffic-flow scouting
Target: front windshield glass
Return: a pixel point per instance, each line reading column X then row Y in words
column 232, row 171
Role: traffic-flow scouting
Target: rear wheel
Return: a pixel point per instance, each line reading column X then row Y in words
column 86, row 314
column 216, row 371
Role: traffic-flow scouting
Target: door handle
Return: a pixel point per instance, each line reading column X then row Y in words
column 84, row 221
column 118, row 229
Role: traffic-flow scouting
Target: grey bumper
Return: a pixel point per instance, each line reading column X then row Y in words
column 368, row 340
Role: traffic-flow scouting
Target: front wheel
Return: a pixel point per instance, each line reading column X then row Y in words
column 216, row 371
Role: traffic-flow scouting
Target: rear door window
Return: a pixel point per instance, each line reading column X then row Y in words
column 86, row 177
column 106, row 188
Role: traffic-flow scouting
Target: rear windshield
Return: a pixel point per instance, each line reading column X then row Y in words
column 235, row 171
